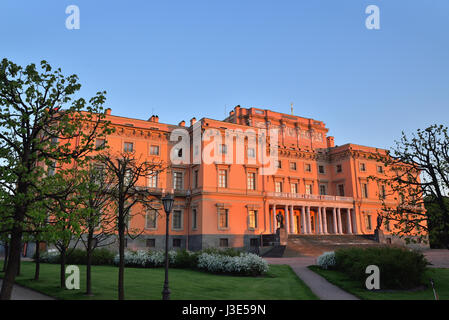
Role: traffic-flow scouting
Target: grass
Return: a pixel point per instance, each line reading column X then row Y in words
column 280, row 283
column 440, row 277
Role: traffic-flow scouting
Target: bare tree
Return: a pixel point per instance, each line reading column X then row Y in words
column 128, row 190
column 417, row 168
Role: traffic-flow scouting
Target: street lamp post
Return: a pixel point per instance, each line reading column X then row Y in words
column 167, row 201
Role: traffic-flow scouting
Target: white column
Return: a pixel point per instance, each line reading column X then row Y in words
column 334, row 220
column 292, row 221
column 348, row 213
column 320, row 221
column 287, row 224
column 354, row 219
column 309, row 222
column 274, row 218
column 340, row 230
column 303, row 218
column 325, row 220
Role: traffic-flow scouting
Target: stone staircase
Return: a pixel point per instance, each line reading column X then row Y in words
column 276, row 252
column 315, row 245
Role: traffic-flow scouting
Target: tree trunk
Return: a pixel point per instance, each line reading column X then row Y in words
column 121, row 271
column 62, row 270
column 89, row 264
column 38, row 263
column 20, row 260
column 13, row 263
column 5, row 262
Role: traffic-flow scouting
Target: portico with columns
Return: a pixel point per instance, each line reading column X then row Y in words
column 312, row 218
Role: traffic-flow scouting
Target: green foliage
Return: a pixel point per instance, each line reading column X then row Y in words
column 400, row 268
column 186, row 259
column 232, row 252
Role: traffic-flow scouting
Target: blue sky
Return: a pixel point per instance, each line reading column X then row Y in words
column 180, row 59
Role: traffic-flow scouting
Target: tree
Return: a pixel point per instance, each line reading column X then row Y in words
column 125, row 192
column 416, row 169
column 41, row 125
column 98, row 226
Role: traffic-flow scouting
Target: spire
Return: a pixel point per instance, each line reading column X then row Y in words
column 291, row 104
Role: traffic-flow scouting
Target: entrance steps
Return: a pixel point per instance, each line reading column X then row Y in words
column 276, row 252
column 315, row 245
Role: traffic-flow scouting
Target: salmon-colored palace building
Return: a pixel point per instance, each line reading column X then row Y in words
column 318, row 188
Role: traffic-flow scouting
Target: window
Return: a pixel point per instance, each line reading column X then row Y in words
column 362, row 167
column 380, row 169
column 254, row 242
column 150, row 243
column 152, row 180
column 383, row 192
column 368, row 221
column 52, row 168
column 308, row 167
column 223, row 178
column 251, row 153
column 177, row 180
column 321, row 169
column 294, row 188
column 129, row 147
column 195, row 179
column 176, row 243
column 151, row 219
column 177, row 219
column 180, row 153
column 364, row 190
column 278, row 186
column 278, row 164
column 223, row 149
column 99, row 143
column 293, row 166
column 224, row 242
column 339, row 168
column 128, row 178
column 194, row 219
column 322, row 189
column 387, row 226
column 223, row 218
column 251, row 181
column 308, row 189
column 154, row 150
column 252, row 219
column 341, row 190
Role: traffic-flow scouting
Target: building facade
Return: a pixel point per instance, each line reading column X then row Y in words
column 228, row 195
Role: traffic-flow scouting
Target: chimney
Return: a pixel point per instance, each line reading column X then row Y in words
column 330, row 142
column 192, row 121
column 154, row 118
column 108, row 111
column 182, row 123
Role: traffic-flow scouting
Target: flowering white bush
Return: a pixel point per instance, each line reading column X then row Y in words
column 141, row 258
column 327, row 260
column 245, row 264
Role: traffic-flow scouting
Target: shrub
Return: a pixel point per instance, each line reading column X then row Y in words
column 79, row 257
column 244, row 264
column 186, row 259
column 146, row 259
column 327, row 260
column 400, row 268
column 232, row 252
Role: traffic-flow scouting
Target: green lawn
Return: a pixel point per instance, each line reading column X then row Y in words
column 440, row 277
column 279, row 283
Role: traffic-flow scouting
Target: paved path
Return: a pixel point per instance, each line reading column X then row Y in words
column 320, row 286
column 22, row 293
column 438, row 257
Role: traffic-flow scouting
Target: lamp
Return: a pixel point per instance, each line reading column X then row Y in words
column 167, row 201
